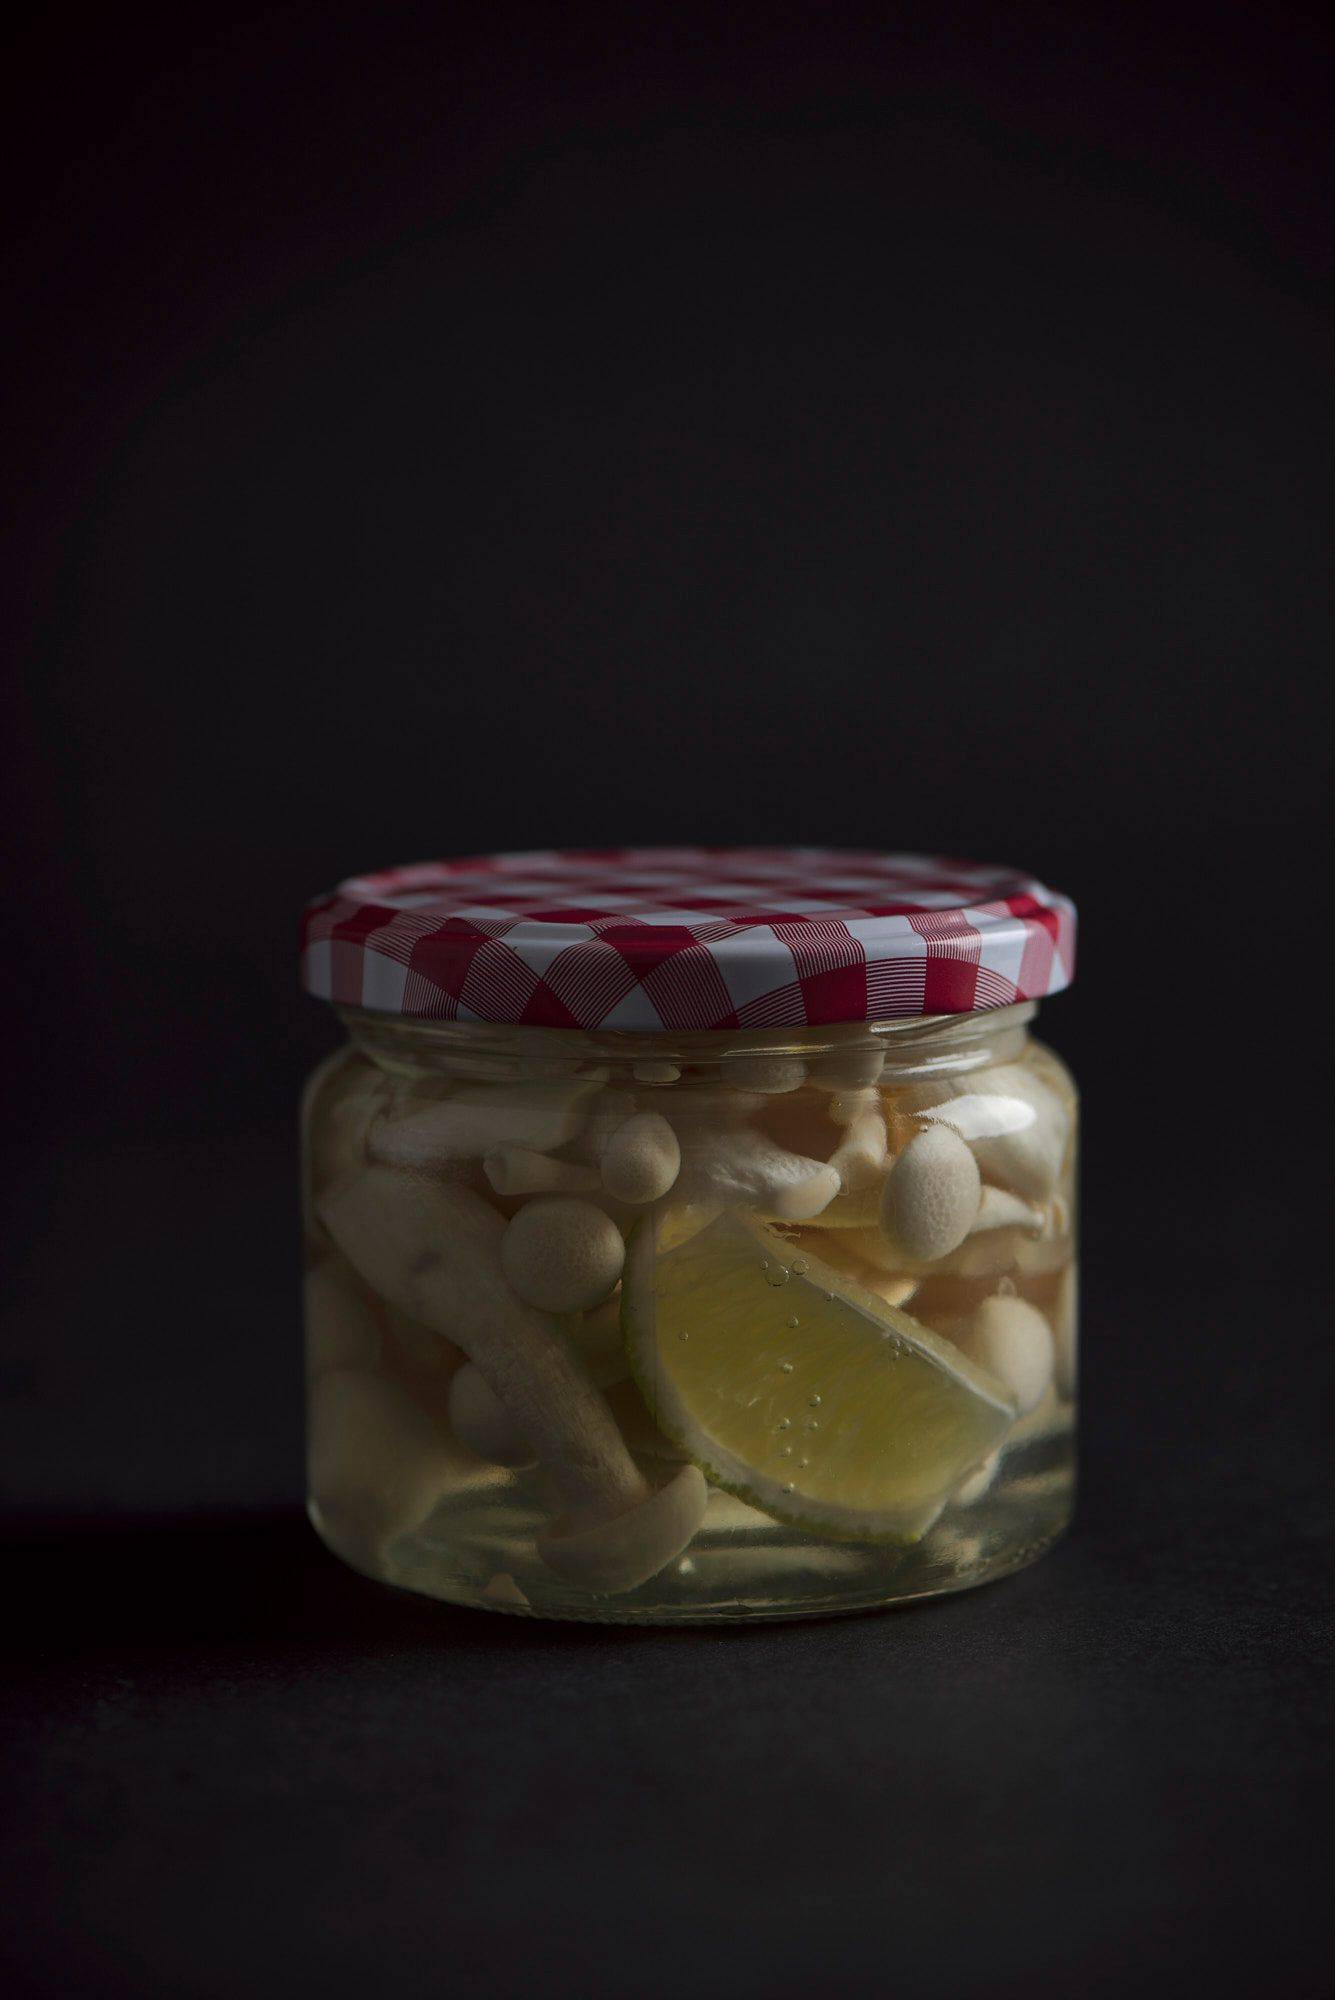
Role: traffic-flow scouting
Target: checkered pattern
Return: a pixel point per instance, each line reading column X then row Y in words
column 654, row 939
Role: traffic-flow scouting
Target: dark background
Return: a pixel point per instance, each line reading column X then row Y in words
column 434, row 433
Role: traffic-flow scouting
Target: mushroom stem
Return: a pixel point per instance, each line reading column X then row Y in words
column 481, row 1119
column 851, row 1068
column 655, row 1072
column 859, row 1158
column 742, row 1165
column 481, row 1422
column 1015, row 1124
column 433, row 1249
column 514, row 1170
column 377, row 1463
column 1000, row 1209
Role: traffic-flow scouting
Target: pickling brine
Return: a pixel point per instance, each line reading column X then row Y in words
column 690, row 1323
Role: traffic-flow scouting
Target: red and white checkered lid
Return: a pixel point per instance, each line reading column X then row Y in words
column 647, row 939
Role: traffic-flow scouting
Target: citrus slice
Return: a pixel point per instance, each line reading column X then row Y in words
column 790, row 1385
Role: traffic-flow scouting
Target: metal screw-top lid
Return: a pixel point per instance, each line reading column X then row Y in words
column 647, row 939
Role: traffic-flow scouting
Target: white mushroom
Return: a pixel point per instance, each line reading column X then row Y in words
column 845, row 1107
column 870, row 1247
column 552, row 1069
column 338, row 1105
column 433, row 1249
column 992, row 1253
column 1047, row 1419
column 377, row 1464
column 976, row 1483
column 629, row 1550
column 999, row 1209
column 725, row 1167
column 481, row 1422
column 642, row 1159
column 596, row 1338
column 502, row 1589
column 417, row 1351
column 561, row 1254
column 859, row 1158
column 1065, row 1332
column 1051, row 1247
column 851, row 1068
column 1012, row 1340
column 545, row 1069
column 932, row 1195
column 340, row 1328
column 895, row 1288
column 1036, row 1256
column 699, row 1107
column 771, row 1076
column 609, row 1111
column 1015, row 1124
column 516, row 1170
column 478, row 1119
column 468, row 1067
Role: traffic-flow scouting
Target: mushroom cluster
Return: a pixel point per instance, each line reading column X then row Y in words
column 467, row 1236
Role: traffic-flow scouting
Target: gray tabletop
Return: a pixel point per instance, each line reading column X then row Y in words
column 234, row 1767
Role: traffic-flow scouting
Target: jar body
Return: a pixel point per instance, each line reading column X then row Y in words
column 689, row 1329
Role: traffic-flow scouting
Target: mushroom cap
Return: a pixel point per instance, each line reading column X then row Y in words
column 1013, row 1341
column 932, row 1195
column 772, row 1076
column 642, row 1159
column 562, row 1254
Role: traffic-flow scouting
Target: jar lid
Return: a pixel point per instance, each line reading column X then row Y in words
column 648, row 939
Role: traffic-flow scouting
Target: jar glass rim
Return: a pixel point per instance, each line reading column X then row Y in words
column 908, row 1042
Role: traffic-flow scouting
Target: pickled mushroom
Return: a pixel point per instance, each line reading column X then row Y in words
column 932, row 1195
column 433, row 1250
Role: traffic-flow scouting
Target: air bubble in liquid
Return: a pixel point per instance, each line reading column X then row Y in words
column 776, row 1274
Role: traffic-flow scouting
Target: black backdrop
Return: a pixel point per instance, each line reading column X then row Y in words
column 434, row 433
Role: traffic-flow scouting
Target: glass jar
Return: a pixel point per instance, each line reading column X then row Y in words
column 690, row 1324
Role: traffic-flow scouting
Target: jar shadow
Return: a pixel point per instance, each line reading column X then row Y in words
column 169, row 1587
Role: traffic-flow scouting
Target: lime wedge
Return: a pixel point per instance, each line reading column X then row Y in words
column 790, row 1385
